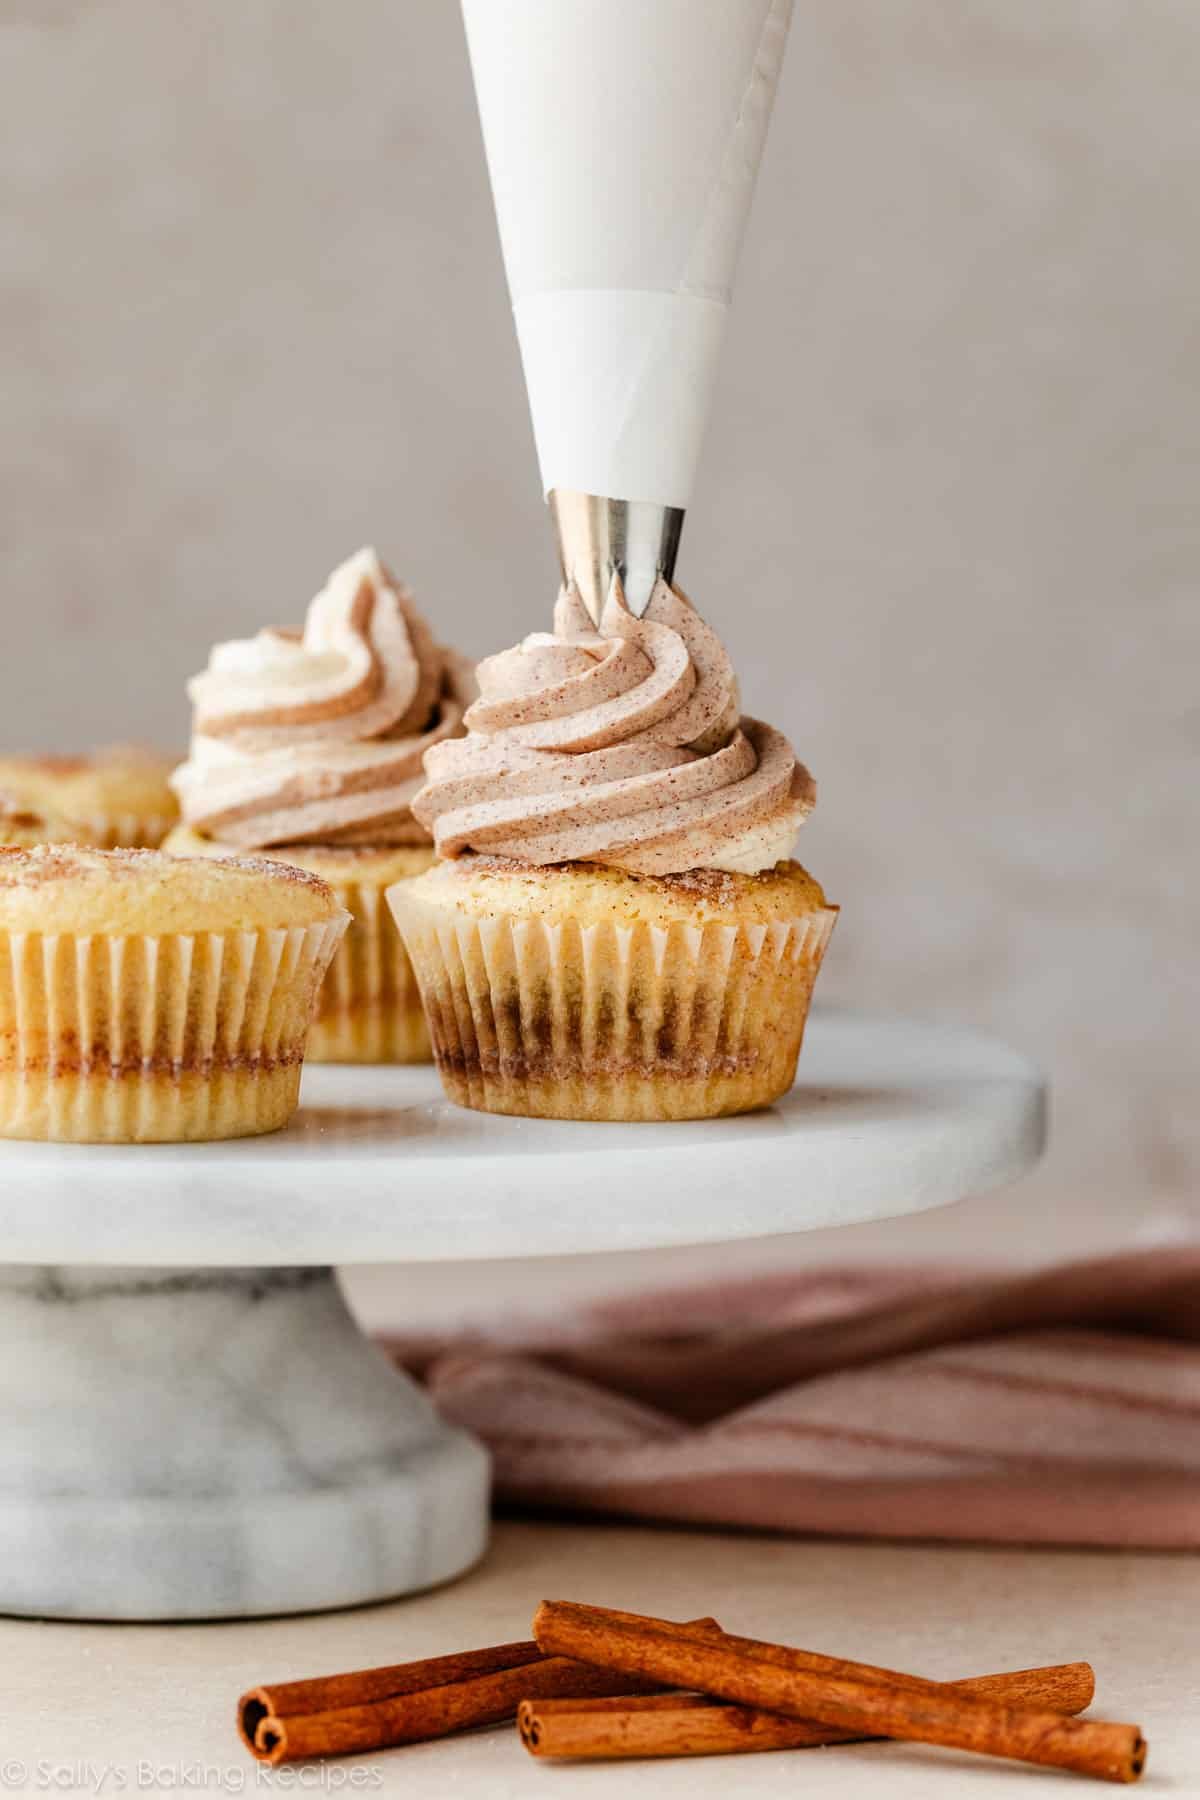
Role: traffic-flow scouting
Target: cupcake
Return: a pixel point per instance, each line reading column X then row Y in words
column 146, row 999
column 23, row 826
column 617, row 930
column 119, row 797
column 307, row 749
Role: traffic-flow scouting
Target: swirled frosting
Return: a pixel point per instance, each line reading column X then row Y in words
column 317, row 736
column 623, row 745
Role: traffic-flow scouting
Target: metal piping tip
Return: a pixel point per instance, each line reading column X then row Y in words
column 637, row 538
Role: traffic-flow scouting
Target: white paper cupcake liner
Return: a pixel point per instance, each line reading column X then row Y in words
column 148, row 1038
column 370, row 1006
column 613, row 1021
column 125, row 830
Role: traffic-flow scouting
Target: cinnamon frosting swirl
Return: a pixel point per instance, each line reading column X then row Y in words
column 316, row 737
column 623, row 745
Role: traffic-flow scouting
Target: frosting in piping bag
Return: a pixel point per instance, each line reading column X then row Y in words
column 623, row 745
column 317, row 736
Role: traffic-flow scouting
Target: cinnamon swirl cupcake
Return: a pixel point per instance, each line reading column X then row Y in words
column 23, row 826
column 145, row 999
column 617, row 930
column 307, row 748
column 117, row 798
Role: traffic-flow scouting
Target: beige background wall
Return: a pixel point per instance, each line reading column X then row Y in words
column 254, row 314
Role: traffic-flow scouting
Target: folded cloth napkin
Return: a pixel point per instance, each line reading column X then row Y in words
column 1060, row 1407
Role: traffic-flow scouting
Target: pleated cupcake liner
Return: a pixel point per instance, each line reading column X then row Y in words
column 611, row 1021
column 156, row 1038
column 107, row 830
column 370, row 1006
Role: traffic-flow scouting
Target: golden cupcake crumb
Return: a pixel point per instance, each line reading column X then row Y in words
column 146, row 999
column 23, row 827
column 592, row 893
column 119, row 795
column 57, row 888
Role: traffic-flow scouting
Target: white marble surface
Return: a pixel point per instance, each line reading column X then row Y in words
column 117, row 1696
column 215, row 1442
column 219, row 1440
column 887, row 1116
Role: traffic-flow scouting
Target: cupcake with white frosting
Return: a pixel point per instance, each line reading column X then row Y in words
column 616, row 929
column 307, row 747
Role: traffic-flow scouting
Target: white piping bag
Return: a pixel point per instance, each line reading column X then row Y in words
column 623, row 139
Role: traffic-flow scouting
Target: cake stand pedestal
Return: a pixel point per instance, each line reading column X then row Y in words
column 193, row 1426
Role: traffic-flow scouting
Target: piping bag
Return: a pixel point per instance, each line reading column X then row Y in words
column 623, row 139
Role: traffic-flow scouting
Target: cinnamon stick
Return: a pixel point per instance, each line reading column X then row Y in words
column 697, row 1725
column 868, row 1701
column 406, row 1703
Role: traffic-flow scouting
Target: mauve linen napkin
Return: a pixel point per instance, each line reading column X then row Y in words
column 1061, row 1407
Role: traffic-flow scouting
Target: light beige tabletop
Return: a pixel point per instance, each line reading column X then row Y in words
column 149, row 1709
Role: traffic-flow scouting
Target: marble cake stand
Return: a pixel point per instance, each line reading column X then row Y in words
column 191, row 1423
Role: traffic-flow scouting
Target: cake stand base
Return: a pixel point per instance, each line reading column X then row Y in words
column 212, row 1443
column 206, row 1435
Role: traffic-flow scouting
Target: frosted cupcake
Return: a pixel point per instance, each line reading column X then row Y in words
column 145, row 998
column 617, row 930
column 118, row 798
column 307, row 748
